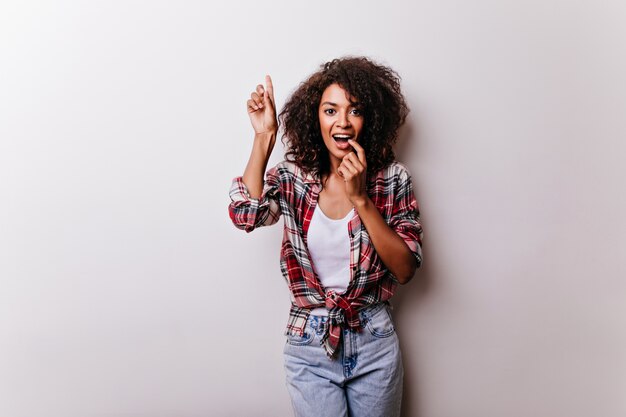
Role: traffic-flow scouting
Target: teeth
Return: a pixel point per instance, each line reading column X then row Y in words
column 342, row 136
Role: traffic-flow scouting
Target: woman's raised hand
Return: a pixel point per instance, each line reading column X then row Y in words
column 261, row 108
column 262, row 112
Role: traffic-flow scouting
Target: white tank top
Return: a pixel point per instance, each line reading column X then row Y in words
column 329, row 246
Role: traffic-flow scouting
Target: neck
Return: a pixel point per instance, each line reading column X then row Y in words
column 332, row 174
column 334, row 164
column 333, row 177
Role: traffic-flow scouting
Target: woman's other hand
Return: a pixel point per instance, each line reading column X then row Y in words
column 261, row 108
column 353, row 169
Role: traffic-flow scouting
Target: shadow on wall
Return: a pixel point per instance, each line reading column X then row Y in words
column 419, row 287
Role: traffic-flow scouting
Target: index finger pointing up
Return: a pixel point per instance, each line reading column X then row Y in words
column 360, row 152
column 269, row 87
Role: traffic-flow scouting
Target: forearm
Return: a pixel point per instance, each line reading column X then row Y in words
column 391, row 248
column 255, row 169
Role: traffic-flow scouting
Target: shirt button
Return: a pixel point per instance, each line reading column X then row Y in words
column 354, row 268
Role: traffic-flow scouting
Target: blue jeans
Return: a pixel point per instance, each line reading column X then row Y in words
column 365, row 378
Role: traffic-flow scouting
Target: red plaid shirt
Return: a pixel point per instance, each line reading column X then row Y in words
column 291, row 192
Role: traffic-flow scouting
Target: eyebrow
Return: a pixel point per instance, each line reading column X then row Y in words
column 356, row 104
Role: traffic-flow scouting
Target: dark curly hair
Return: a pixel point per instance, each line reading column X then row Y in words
column 377, row 91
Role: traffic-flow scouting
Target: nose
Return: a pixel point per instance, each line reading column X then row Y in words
column 343, row 120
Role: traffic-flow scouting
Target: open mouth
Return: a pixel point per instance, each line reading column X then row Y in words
column 342, row 140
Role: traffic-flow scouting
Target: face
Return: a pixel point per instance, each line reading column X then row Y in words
column 340, row 120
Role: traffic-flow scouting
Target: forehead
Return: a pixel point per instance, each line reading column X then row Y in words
column 334, row 93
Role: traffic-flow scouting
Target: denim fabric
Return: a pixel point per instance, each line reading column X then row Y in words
column 365, row 378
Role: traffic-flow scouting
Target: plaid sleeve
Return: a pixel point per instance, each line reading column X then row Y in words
column 248, row 213
column 405, row 217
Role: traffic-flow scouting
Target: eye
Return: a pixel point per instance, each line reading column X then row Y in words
column 356, row 112
column 330, row 112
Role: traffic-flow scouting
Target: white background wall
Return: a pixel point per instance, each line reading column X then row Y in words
column 126, row 291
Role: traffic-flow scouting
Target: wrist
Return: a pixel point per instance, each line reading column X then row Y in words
column 263, row 144
column 268, row 135
column 361, row 202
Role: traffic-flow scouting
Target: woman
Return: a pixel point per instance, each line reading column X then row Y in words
column 352, row 232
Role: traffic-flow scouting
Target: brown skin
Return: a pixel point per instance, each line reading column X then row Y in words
column 380, row 100
column 391, row 248
column 344, row 186
column 337, row 115
column 262, row 112
column 351, row 169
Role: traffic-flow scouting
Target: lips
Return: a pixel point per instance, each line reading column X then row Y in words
column 341, row 140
